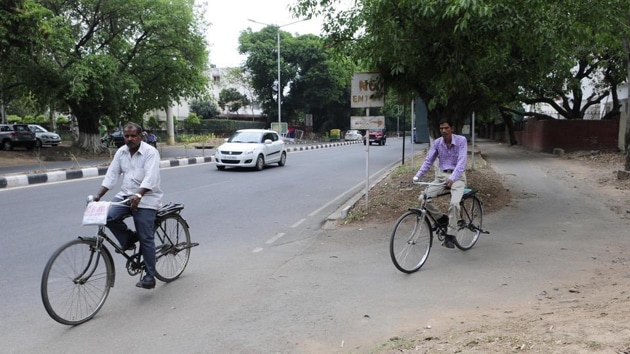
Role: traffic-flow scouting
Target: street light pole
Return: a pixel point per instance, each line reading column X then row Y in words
column 280, row 88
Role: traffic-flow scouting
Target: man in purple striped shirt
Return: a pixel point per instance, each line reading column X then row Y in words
column 452, row 152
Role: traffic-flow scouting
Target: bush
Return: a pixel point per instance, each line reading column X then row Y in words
column 12, row 118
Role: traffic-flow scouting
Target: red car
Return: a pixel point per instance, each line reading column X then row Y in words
column 377, row 136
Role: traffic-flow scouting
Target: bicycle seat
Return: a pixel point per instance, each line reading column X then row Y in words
column 170, row 208
column 468, row 192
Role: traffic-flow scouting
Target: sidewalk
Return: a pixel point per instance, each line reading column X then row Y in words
column 29, row 173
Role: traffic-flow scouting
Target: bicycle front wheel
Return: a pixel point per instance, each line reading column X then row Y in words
column 411, row 242
column 172, row 247
column 76, row 282
column 469, row 226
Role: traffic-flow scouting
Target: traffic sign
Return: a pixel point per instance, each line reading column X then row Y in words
column 373, row 122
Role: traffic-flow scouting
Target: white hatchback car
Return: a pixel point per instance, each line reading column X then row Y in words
column 352, row 134
column 251, row 148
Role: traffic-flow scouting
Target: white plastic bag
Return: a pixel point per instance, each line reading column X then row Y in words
column 96, row 213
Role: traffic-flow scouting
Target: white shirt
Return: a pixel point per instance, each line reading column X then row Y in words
column 142, row 170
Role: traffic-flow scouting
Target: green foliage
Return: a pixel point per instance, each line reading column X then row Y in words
column 473, row 56
column 12, row 118
column 312, row 80
column 224, row 127
column 205, row 109
column 193, row 119
column 114, row 58
column 153, row 123
column 232, row 100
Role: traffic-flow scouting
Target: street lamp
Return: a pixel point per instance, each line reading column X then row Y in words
column 279, row 85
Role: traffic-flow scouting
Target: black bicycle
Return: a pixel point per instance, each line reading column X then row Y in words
column 412, row 237
column 79, row 275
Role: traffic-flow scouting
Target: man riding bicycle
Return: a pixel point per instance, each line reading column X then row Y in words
column 139, row 165
column 452, row 152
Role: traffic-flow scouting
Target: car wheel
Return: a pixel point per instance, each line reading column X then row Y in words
column 220, row 168
column 30, row 146
column 283, row 159
column 38, row 143
column 260, row 163
column 7, row 145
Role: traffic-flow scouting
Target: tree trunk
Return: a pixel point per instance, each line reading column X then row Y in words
column 626, row 143
column 509, row 123
column 88, row 138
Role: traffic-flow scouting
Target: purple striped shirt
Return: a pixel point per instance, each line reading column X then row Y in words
column 453, row 158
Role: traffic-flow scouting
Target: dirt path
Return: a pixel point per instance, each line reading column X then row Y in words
column 589, row 316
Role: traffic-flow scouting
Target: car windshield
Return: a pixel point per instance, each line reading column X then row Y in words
column 246, row 137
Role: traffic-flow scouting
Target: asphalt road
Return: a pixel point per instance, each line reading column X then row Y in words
column 249, row 224
column 289, row 286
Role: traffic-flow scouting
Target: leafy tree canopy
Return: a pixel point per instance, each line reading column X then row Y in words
column 312, row 82
column 232, row 100
column 468, row 56
column 117, row 58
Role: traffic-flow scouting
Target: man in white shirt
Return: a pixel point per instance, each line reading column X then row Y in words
column 139, row 165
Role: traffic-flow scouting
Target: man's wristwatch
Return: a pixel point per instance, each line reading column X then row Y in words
column 138, row 195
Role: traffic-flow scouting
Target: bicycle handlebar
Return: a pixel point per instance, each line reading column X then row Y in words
column 124, row 202
column 420, row 183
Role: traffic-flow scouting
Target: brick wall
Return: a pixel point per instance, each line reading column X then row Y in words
column 570, row 135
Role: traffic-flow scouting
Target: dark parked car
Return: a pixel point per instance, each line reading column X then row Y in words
column 13, row 135
column 115, row 139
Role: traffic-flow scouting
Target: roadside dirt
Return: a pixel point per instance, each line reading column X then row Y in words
column 587, row 317
column 62, row 152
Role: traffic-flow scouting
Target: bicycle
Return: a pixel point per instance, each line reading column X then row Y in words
column 78, row 276
column 412, row 236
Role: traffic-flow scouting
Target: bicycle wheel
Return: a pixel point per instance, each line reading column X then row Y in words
column 76, row 282
column 468, row 231
column 411, row 242
column 172, row 247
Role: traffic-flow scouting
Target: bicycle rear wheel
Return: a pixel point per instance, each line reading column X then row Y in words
column 172, row 247
column 468, row 231
column 76, row 282
column 411, row 242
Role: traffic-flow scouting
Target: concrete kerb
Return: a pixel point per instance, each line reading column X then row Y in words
column 20, row 180
column 341, row 213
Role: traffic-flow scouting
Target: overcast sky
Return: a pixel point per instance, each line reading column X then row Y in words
column 229, row 17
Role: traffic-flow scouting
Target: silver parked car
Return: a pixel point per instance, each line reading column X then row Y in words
column 251, row 148
column 44, row 137
column 352, row 134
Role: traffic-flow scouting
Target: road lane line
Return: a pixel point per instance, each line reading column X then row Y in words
column 275, row 238
column 298, row 223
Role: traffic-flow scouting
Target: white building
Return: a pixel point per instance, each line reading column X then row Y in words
column 220, row 79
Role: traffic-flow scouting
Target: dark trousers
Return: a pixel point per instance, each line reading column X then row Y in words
column 143, row 220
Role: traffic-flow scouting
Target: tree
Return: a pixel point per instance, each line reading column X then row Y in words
column 232, row 100
column 312, row 82
column 241, row 80
column 205, row 109
column 23, row 29
column 466, row 56
column 118, row 58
